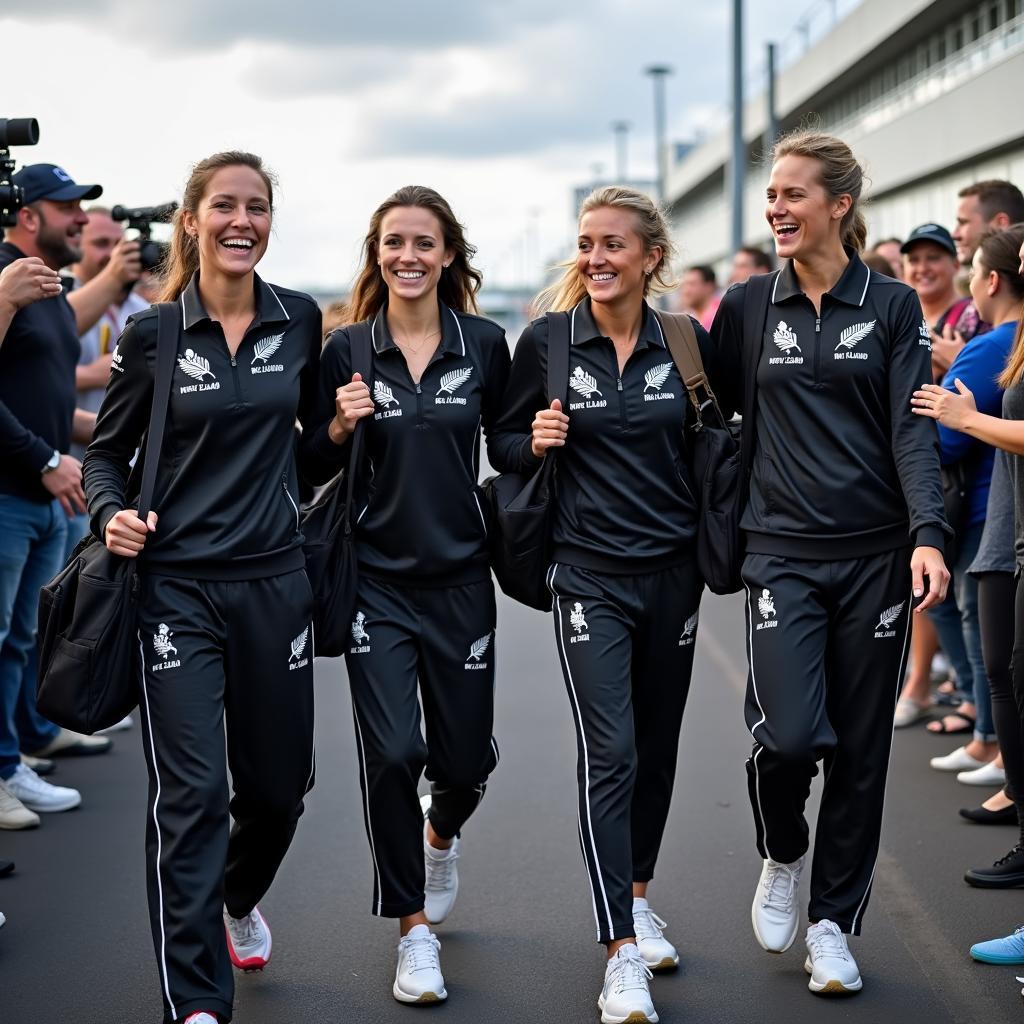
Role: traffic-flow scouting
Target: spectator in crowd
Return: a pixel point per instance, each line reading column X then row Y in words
column 878, row 263
column 889, row 250
column 699, row 294
column 40, row 485
column 335, row 316
column 748, row 261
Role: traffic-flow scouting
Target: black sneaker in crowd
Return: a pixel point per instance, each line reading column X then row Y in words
column 1006, row 873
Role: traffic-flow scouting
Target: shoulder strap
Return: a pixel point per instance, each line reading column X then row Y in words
column 168, row 324
column 755, row 314
column 361, row 340
column 681, row 339
column 558, row 357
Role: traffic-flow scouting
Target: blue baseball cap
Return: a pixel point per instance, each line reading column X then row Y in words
column 48, row 181
column 930, row 233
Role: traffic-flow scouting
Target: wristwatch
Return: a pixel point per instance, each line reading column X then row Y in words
column 52, row 463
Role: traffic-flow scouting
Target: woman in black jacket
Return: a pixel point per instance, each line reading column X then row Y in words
column 843, row 526
column 625, row 584
column 225, row 609
column 425, row 615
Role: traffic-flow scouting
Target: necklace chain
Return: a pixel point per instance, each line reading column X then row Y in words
column 415, row 349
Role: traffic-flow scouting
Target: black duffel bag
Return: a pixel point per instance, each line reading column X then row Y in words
column 522, row 506
column 329, row 537
column 88, row 636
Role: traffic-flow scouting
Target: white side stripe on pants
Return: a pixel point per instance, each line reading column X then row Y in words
column 764, row 717
column 366, row 807
column 586, row 771
column 156, row 823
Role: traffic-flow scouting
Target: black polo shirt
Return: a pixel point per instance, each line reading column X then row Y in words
column 842, row 467
column 226, row 486
column 625, row 498
column 421, row 519
column 37, row 389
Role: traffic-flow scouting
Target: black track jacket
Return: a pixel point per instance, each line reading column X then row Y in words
column 226, row 486
column 842, row 467
column 420, row 515
column 625, row 500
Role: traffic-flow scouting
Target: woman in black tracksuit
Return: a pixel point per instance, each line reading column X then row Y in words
column 844, row 513
column 425, row 614
column 625, row 585
column 225, row 609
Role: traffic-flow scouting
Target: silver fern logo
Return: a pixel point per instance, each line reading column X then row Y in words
column 851, row 338
column 766, row 606
column 296, row 659
column 451, row 382
column 583, row 383
column 477, row 649
column 924, row 335
column 266, row 347
column 887, row 620
column 656, row 376
column 578, row 621
column 689, row 629
column 383, row 395
column 785, row 338
column 195, row 366
column 359, row 635
column 164, row 648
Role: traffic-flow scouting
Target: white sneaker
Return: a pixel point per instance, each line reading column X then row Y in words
column 13, row 813
column 3, row 920
column 200, row 1017
column 659, row 954
column 625, row 996
column 418, row 978
column 38, row 795
column 958, row 761
column 987, row 775
column 442, row 874
column 126, row 723
column 829, row 962
column 73, row 744
column 774, row 912
column 249, row 941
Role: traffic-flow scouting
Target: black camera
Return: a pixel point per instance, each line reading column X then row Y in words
column 14, row 131
column 142, row 219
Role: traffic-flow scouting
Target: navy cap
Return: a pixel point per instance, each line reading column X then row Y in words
column 48, row 181
column 930, row 233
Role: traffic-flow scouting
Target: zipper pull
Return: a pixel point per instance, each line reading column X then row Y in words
column 233, row 363
column 618, row 384
column 817, row 325
column 419, row 390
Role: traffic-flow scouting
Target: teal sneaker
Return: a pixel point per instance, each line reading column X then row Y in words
column 1001, row 951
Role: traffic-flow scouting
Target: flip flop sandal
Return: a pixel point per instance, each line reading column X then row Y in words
column 944, row 730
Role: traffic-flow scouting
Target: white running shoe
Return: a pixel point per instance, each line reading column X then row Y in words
column 13, row 813
column 418, row 978
column 3, row 920
column 829, row 961
column 249, row 941
column 126, row 723
column 200, row 1017
column 659, row 954
column 774, row 913
column 38, row 795
column 626, row 996
column 442, row 874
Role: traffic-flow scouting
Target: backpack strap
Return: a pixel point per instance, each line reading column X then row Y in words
column 681, row 340
column 168, row 326
column 361, row 352
column 559, row 341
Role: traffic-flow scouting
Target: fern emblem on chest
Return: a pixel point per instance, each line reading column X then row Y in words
column 583, row 383
column 854, row 334
column 452, row 381
column 656, row 376
column 382, row 394
column 195, row 366
column 266, row 347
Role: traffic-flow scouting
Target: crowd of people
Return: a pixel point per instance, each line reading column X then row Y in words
column 409, row 380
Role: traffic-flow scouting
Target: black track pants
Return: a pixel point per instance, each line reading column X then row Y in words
column 827, row 647
column 626, row 648
column 443, row 639
column 220, row 654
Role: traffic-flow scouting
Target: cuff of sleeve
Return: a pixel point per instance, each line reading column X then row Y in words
column 324, row 447
column 930, row 537
column 526, row 457
column 102, row 517
column 40, row 453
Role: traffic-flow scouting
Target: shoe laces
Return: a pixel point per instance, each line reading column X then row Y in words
column 28, row 778
column 439, row 871
column 779, row 887
column 824, row 939
column 244, row 930
column 421, row 952
column 627, row 970
column 1015, row 852
column 647, row 924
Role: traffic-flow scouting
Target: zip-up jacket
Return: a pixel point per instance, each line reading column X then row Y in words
column 226, row 484
column 420, row 515
column 842, row 466
column 625, row 502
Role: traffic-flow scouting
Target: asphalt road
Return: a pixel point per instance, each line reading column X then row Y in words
column 520, row 943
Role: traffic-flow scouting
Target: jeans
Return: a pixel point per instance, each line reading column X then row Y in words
column 78, row 527
column 30, row 555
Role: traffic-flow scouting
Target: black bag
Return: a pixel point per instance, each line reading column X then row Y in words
column 956, row 498
column 522, row 507
column 88, row 635
column 714, row 457
column 329, row 540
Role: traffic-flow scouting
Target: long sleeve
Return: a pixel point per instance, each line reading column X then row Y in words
column 726, row 371
column 495, row 387
column 319, row 458
column 978, row 365
column 915, row 441
column 120, row 425
column 509, row 449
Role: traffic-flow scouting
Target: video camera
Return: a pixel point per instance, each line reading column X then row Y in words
column 14, row 131
column 142, row 219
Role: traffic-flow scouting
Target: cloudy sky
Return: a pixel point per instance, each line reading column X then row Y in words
column 502, row 105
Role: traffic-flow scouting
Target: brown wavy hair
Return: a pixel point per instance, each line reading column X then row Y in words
column 183, row 256
column 460, row 280
column 1000, row 251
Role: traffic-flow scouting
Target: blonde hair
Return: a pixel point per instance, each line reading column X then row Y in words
column 571, row 288
column 183, row 256
column 840, row 175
